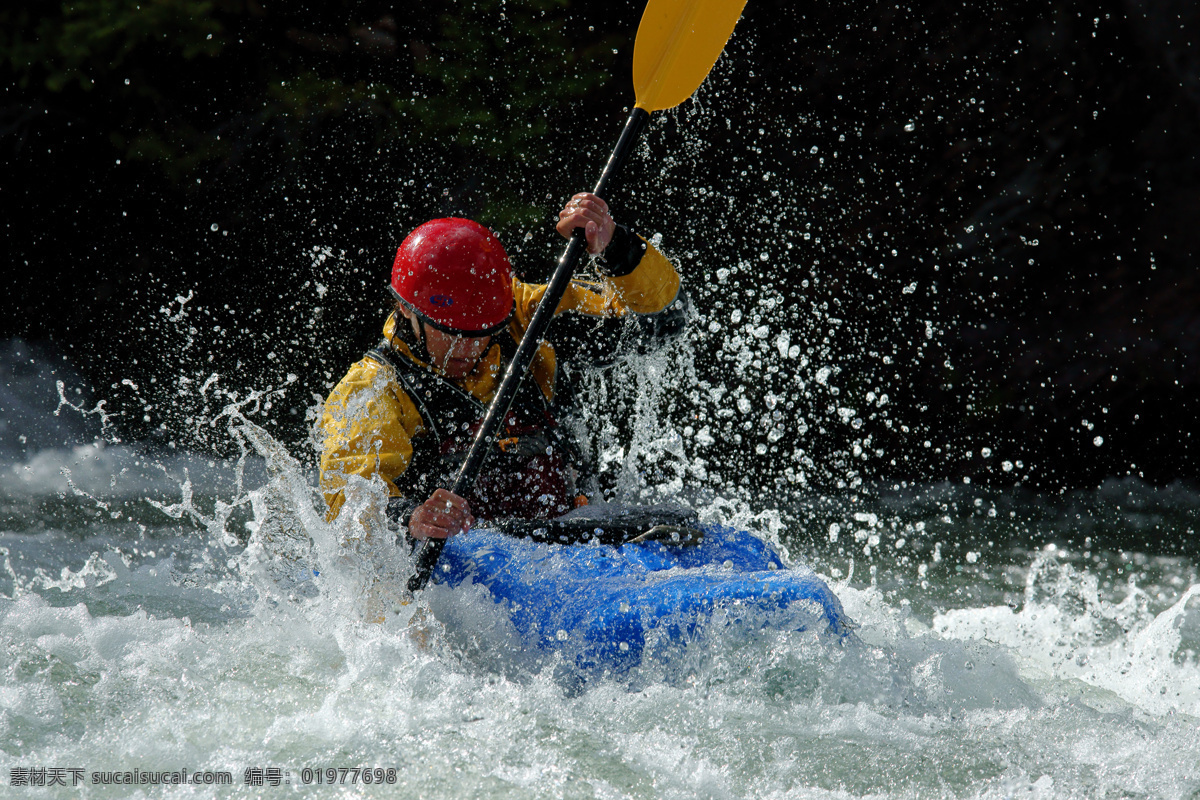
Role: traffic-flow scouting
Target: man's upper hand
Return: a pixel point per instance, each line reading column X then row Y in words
column 586, row 210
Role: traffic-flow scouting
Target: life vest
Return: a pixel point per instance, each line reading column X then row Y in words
column 527, row 475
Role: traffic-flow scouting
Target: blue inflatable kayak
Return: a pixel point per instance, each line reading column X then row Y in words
column 606, row 607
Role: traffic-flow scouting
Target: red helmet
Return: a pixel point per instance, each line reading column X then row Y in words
column 455, row 275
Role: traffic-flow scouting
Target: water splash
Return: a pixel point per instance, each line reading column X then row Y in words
column 1066, row 630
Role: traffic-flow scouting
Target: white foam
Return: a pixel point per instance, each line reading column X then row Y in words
column 1142, row 662
column 211, row 659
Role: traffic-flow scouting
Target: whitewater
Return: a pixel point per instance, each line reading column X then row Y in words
column 162, row 636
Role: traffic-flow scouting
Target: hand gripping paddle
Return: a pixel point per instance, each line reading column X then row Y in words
column 678, row 41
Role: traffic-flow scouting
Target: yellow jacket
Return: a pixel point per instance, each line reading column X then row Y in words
column 369, row 421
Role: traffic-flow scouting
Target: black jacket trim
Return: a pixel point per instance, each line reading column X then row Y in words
column 457, row 411
column 623, row 253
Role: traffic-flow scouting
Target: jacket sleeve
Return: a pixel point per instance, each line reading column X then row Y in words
column 367, row 425
column 638, row 278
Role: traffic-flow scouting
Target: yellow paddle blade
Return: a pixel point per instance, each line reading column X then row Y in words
column 678, row 41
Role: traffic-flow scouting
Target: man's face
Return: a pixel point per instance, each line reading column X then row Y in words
column 454, row 356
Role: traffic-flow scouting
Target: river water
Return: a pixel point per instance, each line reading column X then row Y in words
column 1001, row 650
column 157, row 614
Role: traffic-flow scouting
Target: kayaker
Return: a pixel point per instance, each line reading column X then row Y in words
column 408, row 410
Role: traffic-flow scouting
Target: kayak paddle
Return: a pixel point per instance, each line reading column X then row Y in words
column 677, row 43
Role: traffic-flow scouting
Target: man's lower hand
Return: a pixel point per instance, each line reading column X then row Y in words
column 443, row 515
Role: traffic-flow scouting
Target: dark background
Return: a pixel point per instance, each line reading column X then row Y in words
column 986, row 211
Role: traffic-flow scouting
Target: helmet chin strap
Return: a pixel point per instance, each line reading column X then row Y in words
column 403, row 331
column 428, row 358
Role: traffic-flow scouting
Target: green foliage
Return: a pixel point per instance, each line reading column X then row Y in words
column 492, row 76
column 497, row 70
column 188, row 83
column 86, row 42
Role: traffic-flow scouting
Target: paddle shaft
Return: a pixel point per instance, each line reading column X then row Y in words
column 431, row 549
